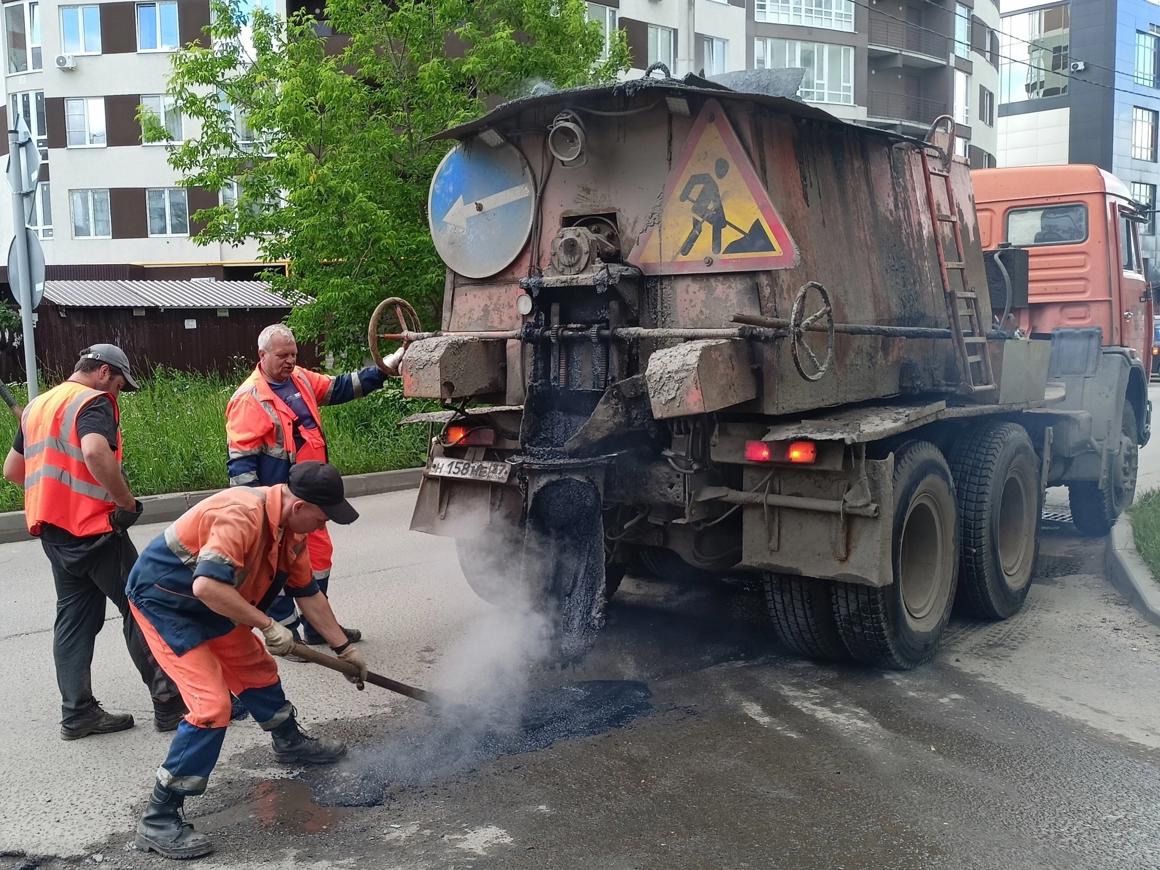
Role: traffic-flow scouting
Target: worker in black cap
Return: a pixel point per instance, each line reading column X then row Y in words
column 67, row 456
column 198, row 591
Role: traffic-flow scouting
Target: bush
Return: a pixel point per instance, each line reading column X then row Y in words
column 175, row 435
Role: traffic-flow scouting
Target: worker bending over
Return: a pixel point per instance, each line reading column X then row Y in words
column 197, row 591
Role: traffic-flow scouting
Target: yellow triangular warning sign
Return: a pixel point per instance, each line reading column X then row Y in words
column 716, row 215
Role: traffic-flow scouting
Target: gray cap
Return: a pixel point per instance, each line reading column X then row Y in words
column 114, row 356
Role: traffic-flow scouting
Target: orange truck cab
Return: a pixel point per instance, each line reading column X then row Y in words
column 1085, row 288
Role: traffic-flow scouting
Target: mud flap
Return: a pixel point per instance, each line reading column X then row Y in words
column 564, row 557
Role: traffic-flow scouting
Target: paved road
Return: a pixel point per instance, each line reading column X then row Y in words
column 683, row 742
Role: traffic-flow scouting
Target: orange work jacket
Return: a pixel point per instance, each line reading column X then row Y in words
column 59, row 489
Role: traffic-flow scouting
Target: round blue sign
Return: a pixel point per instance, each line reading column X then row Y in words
column 480, row 207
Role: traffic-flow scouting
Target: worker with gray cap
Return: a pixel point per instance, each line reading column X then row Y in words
column 77, row 501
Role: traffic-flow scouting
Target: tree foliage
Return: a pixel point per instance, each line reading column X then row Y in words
column 330, row 154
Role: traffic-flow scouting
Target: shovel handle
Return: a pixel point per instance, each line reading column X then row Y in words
column 349, row 670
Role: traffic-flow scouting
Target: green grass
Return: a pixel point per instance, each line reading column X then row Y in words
column 174, row 434
column 1145, row 515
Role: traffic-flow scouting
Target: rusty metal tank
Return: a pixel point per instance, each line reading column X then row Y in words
column 686, row 206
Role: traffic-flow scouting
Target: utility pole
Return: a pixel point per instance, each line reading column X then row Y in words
column 21, row 281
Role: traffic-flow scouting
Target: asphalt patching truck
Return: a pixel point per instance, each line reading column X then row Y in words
column 703, row 328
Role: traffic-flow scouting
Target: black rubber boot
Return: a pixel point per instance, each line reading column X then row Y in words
column 292, row 745
column 353, row 635
column 163, row 830
column 96, row 721
column 167, row 715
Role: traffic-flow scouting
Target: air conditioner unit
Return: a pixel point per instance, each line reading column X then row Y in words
column 65, row 61
column 1077, row 66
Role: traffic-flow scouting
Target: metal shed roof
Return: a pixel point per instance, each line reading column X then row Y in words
column 163, row 294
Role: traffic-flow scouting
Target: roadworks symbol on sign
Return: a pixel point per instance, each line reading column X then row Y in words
column 716, row 215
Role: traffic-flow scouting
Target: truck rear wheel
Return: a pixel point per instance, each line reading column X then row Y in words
column 803, row 616
column 1095, row 507
column 997, row 484
column 899, row 626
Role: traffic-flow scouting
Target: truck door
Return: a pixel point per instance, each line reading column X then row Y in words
column 1130, row 293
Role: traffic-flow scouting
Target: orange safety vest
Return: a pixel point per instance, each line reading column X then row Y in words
column 261, row 425
column 59, row 489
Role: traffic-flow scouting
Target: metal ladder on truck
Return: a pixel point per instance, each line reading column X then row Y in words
column 968, row 332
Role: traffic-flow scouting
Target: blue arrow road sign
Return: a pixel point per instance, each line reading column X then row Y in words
column 480, row 208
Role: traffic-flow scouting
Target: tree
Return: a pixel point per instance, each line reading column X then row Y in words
column 326, row 158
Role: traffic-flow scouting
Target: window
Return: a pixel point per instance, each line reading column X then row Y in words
column 1050, row 225
column 157, row 26
column 40, row 211
column 962, row 110
column 713, row 52
column 1034, row 54
column 168, row 211
column 662, row 46
column 605, row 16
column 830, row 14
column 80, row 29
column 1130, row 244
column 962, row 30
column 986, row 106
column 1144, row 133
column 161, row 105
column 992, row 47
column 1148, row 59
column 30, row 104
column 1145, row 195
column 84, row 122
column 829, row 76
column 90, row 214
column 962, row 147
column 22, row 36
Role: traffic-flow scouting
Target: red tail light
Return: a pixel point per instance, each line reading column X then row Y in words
column 458, row 435
column 802, row 452
column 758, row 451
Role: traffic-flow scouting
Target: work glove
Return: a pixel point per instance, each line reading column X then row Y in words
column 394, row 360
column 350, row 654
column 279, row 639
column 121, row 519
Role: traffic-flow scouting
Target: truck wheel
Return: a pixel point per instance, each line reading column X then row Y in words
column 667, row 565
column 803, row 616
column 1094, row 508
column 491, row 568
column 899, row 626
column 996, row 476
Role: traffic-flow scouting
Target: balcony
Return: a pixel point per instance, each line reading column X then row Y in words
column 903, row 109
column 914, row 46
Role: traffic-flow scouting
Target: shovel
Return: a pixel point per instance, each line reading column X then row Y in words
column 335, row 664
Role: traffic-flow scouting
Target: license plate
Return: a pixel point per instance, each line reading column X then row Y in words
column 492, row 472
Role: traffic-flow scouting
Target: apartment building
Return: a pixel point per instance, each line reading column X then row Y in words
column 1080, row 83
column 891, row 63
column 107, row 206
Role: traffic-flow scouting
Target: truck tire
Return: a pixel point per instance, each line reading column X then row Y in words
column 899, row 626
column 1095, row 507
column 667, row 565
column 803, row 617
column 996, row 474
column 491, row 568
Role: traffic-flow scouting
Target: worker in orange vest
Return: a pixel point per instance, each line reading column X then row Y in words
column 198, row 591
column 273, row 421
column 67, row 456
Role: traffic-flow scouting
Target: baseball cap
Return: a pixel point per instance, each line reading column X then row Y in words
column 114, row 356
column 320, row 484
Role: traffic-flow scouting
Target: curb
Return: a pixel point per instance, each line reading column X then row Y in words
column 1128, row 572
column 164, row 508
